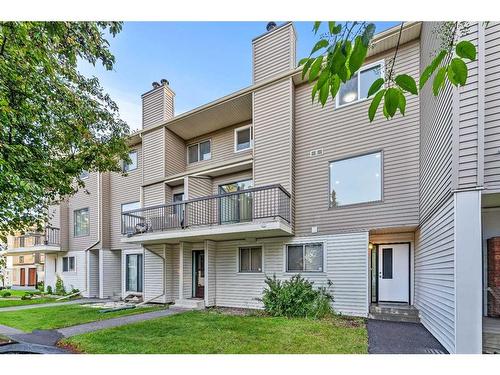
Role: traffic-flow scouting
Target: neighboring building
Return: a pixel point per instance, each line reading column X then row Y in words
column 26, row 270
column 264, row 182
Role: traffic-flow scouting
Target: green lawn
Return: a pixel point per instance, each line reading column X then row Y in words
column 60, row 316
column 213, row 332
column 16, row 293
column 8, row 302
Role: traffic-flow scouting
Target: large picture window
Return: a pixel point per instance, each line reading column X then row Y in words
column 133, row 272
column 304, row 257
column 356, row 180
column 81, row 224
column 250, row 259
column 357, row 87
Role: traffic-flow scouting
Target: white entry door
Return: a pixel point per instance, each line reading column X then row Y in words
column 394, row 273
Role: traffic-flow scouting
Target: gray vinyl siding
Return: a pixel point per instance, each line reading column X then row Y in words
column 105, row 210
column 153, row 145
column 211, row 274
column 154, row 276
column 436, row 126
column 273, row 134
column 175, row 154
column 78, row 278
column 123, row 189
column 172, row 265
column 434, row 275
column 274, row 53
column 93, row 285
column 154, row 194
column 222, row 147
column 346, row 265
column 492, row 107
column 187, row 269
column 157, row 107
column 111, row 273
column 345, row 132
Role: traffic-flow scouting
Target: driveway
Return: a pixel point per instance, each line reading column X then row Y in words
column 386, row 337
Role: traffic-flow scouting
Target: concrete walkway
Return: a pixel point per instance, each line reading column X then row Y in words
column 386, row 337
column 79, row 301
column 7, row 331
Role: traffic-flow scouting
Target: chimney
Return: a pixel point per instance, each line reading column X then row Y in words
column 157, row 104
column 274, row 52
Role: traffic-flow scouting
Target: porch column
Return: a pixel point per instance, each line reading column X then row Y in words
column 468, row 272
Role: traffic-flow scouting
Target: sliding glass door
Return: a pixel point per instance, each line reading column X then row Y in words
column 237, row 207
column 134, row 273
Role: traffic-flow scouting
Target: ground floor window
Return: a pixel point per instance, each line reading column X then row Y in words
column 250, row 259
column 304, row 257
column 134, row 272
column 68, row 264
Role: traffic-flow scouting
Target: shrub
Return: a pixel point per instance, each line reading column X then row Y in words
column 49, row 289
column 27, row 295
column 296, row 298
column 74, row 290
column 40, row 286
column 60, row 290
column 5, row 294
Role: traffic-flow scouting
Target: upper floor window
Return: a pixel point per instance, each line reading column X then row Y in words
column 304, row 257
column 68, row 264
column 199, row 152
column 81, row 224
column 250, row 259
column 356, row 180
column 127, row 167
column 243, row 138
column 357, row 87
column 84, row 175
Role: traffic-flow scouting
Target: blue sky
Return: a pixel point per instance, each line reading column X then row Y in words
column 202, row 61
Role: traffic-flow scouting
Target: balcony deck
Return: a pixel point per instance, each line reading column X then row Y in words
column 252, row 213
column 36, row 242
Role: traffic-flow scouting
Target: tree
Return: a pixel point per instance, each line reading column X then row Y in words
column 343, row 49
column 55, row 123
column 3, row 266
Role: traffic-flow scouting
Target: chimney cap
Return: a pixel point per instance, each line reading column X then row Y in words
column 155, row 85
column 271, row 26
column 164, row 82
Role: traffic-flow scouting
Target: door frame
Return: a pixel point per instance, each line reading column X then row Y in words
column 194, row 277
column 32, row 270
column 376, row 249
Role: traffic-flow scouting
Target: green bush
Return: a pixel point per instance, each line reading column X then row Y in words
column 5, row 294
column 60, row 290
column 49, row 289
column 40, row 286
column 27, row 295
column 73, row 290
column 296, row 298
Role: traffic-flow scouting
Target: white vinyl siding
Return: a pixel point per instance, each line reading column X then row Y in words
column 154, row 274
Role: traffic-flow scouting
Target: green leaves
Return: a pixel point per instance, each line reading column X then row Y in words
column 315, row 68
column 407, row 83
column 457, row 72
column 316, row 26
column 323, row 43
column 439, row 81
column 466, row 50
column 376, row 85
column 431, row 68
column 375, row 104
column 358, row 55
column 391, row 101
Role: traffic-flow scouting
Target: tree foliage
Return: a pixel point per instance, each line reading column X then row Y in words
column 343, row 49
column 55, row 123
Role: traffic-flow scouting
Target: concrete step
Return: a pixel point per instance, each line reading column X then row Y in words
column 190, row 303
column 394, row 310
column 395, row 318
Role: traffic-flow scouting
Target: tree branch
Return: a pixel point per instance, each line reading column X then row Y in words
column 395, row 54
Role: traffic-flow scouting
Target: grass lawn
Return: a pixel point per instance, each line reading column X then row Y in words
column 7, row 302
column 60, row 316
column 214, row 332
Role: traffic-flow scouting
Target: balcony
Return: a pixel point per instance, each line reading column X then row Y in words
column 36, row 242
column 252, row 213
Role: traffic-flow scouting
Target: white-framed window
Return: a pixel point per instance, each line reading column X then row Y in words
column 243, row 138
column 84, row 175
column 356, row 89
column 69, row 264
column 127, row 167
column 81, row 222
column 199, row 151
column 128, row 222
column 305, row 257
column 357, row 179
column 250, row 259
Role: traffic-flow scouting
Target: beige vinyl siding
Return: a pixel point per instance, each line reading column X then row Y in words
column 64, row 230
column 175, row 154
column 123, row 189
column 221, row 147
column 154, row 194
column 273, row 134
column 153, row 145
column 55, row 216
column 93, row 282
column 346, row 132
column 211, row 272
column 154, row 274
column 492, row 107
column 434, row 275
column 172, row 265
column 198, row 187
column 274, row 53
column 111, row 273
column 436, row 126
column 468, row 121
column 105, row 210
column 157, row 106
column 187, row 269
column 345, row 264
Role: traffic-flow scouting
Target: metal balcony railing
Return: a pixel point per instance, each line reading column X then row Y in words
column 241, row 206
column 50, row 236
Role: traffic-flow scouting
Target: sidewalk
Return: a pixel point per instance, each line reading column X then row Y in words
column 80, row 301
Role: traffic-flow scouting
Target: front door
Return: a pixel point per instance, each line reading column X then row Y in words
column 198, row 274
column 394, row 273
column 31, row 276
column 22, row 276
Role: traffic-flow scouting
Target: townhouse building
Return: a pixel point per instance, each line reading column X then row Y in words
column 264, row 182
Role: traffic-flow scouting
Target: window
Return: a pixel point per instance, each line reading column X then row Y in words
column 356, row 180
column 243, row 138
column 134, row 273
column 177, row 209
column 357, row 87
column 84, row 175
column 199, row 152
column 128, row 222
column 68, row 264
column 81, row 223
column 304, row 257
column 21, row 259
column 387, row 263
column 235, row 208
column 250, row 259
column 127, row 167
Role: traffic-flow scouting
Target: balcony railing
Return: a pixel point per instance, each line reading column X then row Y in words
column 49, row 237
column 237, row 207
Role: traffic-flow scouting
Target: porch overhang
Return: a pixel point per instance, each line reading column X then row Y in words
column 27, row 250
column 226, row 232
